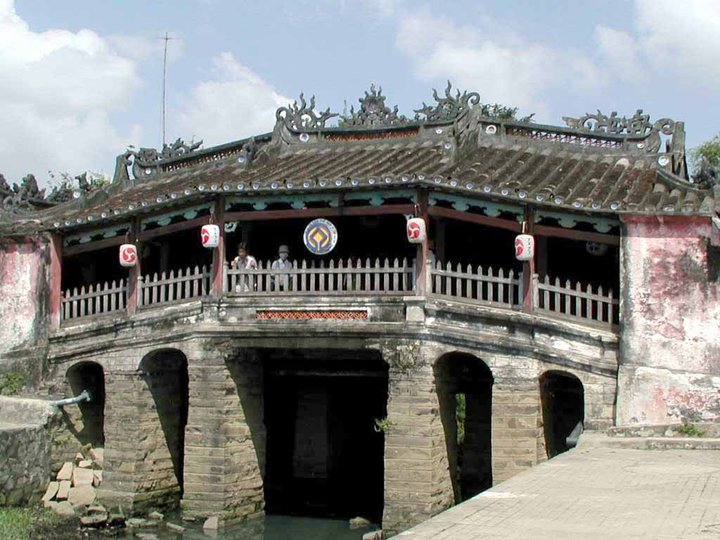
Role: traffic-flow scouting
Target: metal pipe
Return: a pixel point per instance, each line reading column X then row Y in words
column 572, row 439
column 84, row 396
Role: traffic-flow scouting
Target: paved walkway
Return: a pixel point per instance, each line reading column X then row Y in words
column 594, row 492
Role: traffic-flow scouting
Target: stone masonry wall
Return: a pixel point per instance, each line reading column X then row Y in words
column 22, row 282
column 417, row 482
column 23, row 309
column 670, row 344
column 25, row 449
column 225, row 442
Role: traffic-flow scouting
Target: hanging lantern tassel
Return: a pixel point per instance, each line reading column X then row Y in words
column 128, row 255
column 524, row 247
column 210, row 236
column 415, row 230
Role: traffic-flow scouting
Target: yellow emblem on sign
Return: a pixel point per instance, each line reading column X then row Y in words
column 320, row 236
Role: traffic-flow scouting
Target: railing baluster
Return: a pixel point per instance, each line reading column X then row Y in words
column 578, row 300
column 611, row 308
column 589, row 302
column 599, row 304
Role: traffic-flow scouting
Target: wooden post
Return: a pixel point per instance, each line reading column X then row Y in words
column 133, row 290
column 529, row 266
column 218, row 263
column 55, row 280
column 423, row 249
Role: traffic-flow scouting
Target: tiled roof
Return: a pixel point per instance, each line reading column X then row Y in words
column 480, row 157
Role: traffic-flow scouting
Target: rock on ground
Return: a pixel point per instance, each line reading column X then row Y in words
column 65, row 472
column 51, row 491
column 63, row 489
column 81, row 496
column 82, row 477
column 211, row 523
column 94, row 520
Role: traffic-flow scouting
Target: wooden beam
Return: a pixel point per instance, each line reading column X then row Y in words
column 133, row 290
column 71, row 251
column 499, row 223
column 175, row 227
column 423, row 249
column 218, row 262
column 511, row 225
column 573, row 234
column 528, row 270
column 55, row 280
column 309, row 213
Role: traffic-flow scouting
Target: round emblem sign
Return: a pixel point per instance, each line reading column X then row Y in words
column 320, row 236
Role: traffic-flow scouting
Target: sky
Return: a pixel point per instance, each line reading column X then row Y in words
column 81, row 80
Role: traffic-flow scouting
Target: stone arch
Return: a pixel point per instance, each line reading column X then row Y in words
column 89, row 427
column 562, row 396
column 464, row 386
column 165, row 373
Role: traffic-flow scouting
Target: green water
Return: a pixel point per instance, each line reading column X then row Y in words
column 268, row 528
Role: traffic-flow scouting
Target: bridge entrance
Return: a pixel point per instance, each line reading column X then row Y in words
column 563, row 409
column 464, row 386
column 324, row 453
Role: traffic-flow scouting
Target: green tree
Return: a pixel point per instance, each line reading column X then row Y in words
column 705, row 162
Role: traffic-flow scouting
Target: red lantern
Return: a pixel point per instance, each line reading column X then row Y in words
column 415, row 230
column 210, row 236
column 128, row 255
column 524, row 247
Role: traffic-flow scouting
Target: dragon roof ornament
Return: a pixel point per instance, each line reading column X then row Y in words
column 299, row 117
column 373, row 112
column 449, row 107
column 637, row 125
column 145, row 162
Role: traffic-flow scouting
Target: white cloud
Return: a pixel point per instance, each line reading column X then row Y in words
column 619, row 50
column 505, row 68
column 234, row 103
column 58, row 88
column 668, row 43
column 681, row 38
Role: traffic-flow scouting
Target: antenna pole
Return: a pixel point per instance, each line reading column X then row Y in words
column 166, row 38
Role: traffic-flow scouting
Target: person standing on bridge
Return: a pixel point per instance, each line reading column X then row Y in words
column 281, row 280
column 244, row 261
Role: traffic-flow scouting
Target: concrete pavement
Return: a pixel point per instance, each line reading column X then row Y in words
column 594, row 492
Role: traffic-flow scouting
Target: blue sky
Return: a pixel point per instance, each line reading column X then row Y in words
column 81, row 80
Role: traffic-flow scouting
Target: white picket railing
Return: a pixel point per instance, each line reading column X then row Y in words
column 174, row 286
column 95, row 299
column 577, row 302
column 486, row 286
column 350, row 277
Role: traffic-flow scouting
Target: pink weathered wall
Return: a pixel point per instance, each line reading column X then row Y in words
column 670, row 343
column 23, row 293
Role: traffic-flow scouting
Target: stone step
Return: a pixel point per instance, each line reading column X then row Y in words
column 601, row 440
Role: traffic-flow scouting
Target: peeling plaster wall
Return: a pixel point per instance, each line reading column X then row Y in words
column 23, row 294
column 670, row 344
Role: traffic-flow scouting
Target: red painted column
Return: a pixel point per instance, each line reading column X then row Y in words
column 133, row 290
column 423, row 248
column 55, row 280
column 529, row 266
column 218, row 264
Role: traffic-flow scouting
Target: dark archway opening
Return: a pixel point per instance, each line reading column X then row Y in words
column 166, row 375
column 563, row 407
column 325, row 456
column 464, row 388
column 90, row 427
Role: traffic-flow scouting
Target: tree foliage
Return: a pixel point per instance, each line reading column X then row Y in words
column 705, row 162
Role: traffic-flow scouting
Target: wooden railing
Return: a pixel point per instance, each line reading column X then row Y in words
column 174, row 286
column 480, row 285
column 349, row 277
column 577, row 302
column 486, row 286
column 95, row 299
